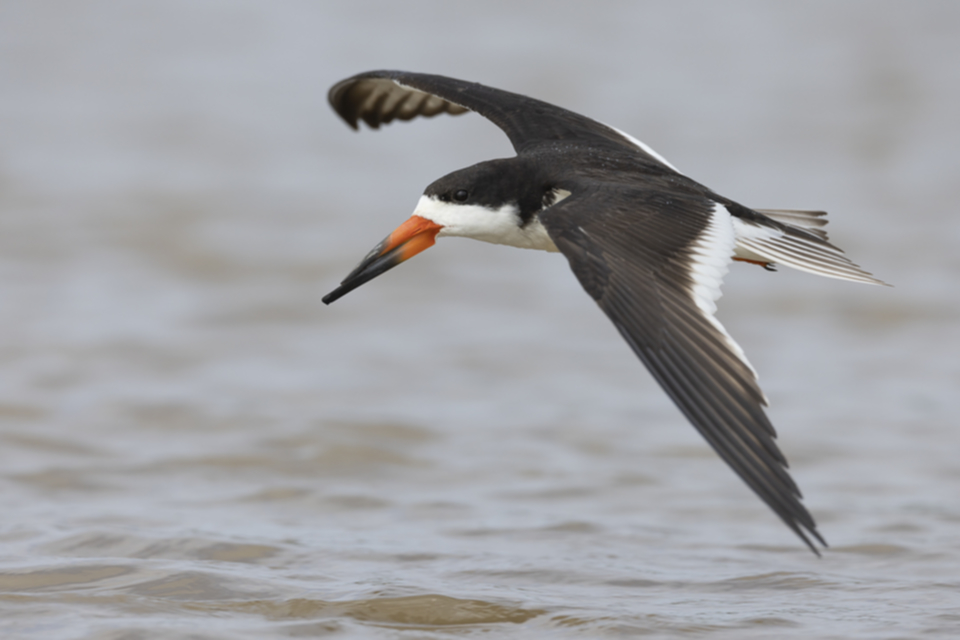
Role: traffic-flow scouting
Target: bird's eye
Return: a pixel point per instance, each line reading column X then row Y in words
column 460, row 195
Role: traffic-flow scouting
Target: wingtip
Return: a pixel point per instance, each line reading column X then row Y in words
column 802, row 529
column 813, row 547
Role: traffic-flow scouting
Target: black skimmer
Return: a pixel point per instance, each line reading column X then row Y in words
column 649, row 245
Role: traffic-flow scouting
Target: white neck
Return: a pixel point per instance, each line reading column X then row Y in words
column 497, row 226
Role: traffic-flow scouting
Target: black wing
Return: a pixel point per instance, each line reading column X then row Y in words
column 654, row 262
column 379, row 97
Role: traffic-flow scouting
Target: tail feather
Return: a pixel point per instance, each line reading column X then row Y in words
column 808, row 220
column 797, row 242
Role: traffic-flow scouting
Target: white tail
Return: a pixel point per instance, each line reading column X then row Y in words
column 801, row 243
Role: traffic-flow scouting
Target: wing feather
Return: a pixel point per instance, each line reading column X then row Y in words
column 656, row 269
column 380, row 97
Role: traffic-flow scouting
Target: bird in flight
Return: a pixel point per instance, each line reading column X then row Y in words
column 647, row 243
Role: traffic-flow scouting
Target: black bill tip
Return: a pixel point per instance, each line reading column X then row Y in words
column 336, row 294
column 377, row 262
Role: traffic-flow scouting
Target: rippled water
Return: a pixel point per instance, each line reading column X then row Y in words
column 193, row 446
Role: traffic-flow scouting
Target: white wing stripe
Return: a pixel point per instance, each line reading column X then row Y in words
column 642, row 145
column 712, row 253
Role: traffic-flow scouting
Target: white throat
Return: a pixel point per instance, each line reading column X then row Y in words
column 497, row 226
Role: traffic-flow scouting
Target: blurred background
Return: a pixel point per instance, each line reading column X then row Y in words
column 193, row 445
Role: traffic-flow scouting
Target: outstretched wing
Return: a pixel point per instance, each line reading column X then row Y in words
column 379, row 97
column 654, row 262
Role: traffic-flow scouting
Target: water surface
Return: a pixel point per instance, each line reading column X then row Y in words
column 193, row 446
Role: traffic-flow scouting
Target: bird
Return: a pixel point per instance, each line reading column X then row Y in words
column 650, row 245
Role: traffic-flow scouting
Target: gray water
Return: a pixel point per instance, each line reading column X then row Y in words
column 193, row 446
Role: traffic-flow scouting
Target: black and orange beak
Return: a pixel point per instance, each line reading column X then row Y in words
column 409, row 239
